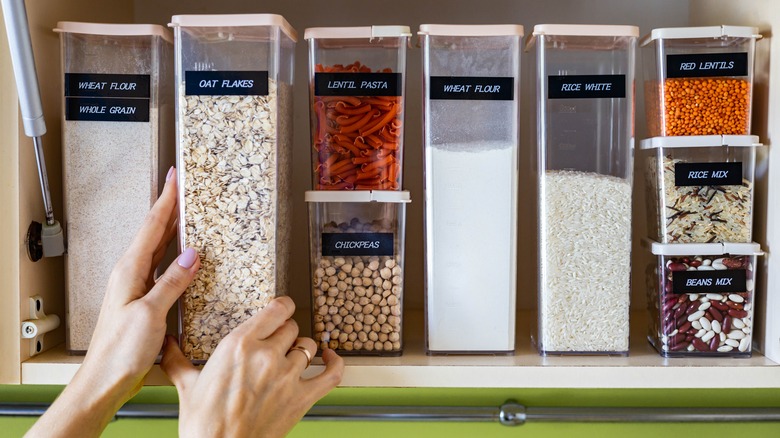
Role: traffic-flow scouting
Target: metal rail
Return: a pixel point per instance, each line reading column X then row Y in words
column 508, row 414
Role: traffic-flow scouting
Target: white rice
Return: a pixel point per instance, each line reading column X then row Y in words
column 585, row 257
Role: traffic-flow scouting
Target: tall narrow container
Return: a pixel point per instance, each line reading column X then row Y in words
column 471, row 140
column 585, row 98
column 117, row 134
column 234, row 141
column 356, row 92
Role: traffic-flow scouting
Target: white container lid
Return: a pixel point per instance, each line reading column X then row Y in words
column 366, row 32
column 699, row 141
column 701, row 32
column 114, row 29
column 471, row 29
column 694, row 249
column 585, row 30
column 391, row 196
column 234, row 20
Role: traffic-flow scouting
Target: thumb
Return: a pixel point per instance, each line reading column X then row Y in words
column 177, row 367
column 174, row 281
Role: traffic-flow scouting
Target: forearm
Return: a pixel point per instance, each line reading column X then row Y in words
column 84, row 407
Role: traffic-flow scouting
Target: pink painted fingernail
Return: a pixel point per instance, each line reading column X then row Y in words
column 187, row 258
column 170, row 173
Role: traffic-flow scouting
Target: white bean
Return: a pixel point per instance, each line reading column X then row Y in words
column 736, row 298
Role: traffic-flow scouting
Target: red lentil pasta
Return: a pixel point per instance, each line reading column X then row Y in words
column 356, row 138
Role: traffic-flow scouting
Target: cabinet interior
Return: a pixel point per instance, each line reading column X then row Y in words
column 45, row 278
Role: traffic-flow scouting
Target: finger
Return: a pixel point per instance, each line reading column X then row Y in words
column 319, row 386
column 284, row 337
column 160, row 253
column 269, row 319
column 174, row 281
column 177, row 367
column 156, row 223
column 170, row 233
column 298, row 358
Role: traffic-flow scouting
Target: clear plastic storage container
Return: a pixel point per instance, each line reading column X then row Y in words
column 117, row 134
column 471, row 89
column 356, row 92
column 234, row 114
column 699, row 80
column 701, row 298
column 700, row 188
column 585, row 98
column 357, row 266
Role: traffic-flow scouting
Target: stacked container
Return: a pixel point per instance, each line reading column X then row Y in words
column 701, row 298
column 117, row 107
column 357, row 81
column 471, row 94
column 585, row 141
column 700, row 168
column 357, row 211
column 357, row 259
column 234, row 140
column 699, row 80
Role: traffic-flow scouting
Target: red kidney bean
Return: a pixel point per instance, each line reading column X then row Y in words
column 700, row 345
column 734, row 262
column 683, row 298
column 715, row 314
column 690, row 337
column 668, row 287
column 714, row 342
column 681, row 346
column 733, row 305
column 685, row 327
column 680, row 311
column 695, row 263
column 738, row 313
column 679, row 337
column 669, row 305
column 719, row 305
column 676, row 266
column 726, row 326
column 692, row 307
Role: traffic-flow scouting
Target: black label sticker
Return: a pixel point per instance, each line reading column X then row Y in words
column 471, row 88
column 586, row 87
column 707, row 65
column 357, row 84
column 226, row 83
column 702, row 282
column 106, row 85
column 357, row 244
column 106, row 109
column 708, row 174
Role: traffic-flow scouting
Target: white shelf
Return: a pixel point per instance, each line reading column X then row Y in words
column 643, row 368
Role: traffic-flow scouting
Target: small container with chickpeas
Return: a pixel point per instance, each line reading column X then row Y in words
column 357, row 270
column 699, row 80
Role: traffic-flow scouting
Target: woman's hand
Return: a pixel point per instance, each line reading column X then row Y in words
column 130, row 330
column 251, row 385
